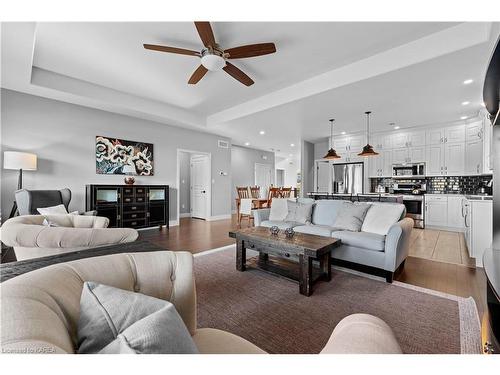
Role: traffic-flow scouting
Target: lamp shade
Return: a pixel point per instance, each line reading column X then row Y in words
column 19, row 160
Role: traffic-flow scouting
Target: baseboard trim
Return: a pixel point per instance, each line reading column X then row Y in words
column 448, row 229
column 185, row 214
column 173, row 223
column 218, row 217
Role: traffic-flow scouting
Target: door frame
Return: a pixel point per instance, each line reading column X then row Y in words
column 271, row 182
column 178, row 181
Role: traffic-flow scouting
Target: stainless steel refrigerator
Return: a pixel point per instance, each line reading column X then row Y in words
column 347, row 178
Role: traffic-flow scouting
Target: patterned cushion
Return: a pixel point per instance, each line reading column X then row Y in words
column 351, row 216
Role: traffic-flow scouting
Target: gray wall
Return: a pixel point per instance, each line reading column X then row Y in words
column 63, row 137
column 185, row 182
column 320, row 149
column 307, row 167
column 243, row 161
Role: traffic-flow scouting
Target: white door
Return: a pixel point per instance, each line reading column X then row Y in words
column 200, row 184
column 454, row 159
column 454, row 134
column 400, row 156
column 263, row 178
column 323, row 176
column 434, row 166
column 436, row 213
column 473, row 157
column 416, row 139
column 416, row 154
column 280, row 177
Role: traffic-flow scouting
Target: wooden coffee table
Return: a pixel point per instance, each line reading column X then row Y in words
column 289, row 257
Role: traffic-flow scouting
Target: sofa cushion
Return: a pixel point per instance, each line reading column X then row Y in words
column 280, row 224
column 114, row 320
column 325, row 211
column 381, row 216
column 279, row 209
column 351, row 216
column 365, row 240
column 318, row 230
column 299, row 212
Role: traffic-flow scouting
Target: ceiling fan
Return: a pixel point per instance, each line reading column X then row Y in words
column 214, row 58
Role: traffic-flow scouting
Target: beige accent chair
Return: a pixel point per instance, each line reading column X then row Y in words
column 31, row 239
column 40, row 309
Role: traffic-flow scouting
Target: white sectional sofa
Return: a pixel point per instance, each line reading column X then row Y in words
column 382, row 243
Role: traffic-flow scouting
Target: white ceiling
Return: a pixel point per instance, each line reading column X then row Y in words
column 409, row 73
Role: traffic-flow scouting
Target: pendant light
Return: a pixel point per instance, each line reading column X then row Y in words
column 331, row 154
column 368, row 149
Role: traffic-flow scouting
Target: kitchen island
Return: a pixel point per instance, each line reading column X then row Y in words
column 369, row 197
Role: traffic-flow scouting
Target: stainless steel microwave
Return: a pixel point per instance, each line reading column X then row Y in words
column 408, row 170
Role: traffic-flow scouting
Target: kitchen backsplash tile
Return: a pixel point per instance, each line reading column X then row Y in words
column 441, row 184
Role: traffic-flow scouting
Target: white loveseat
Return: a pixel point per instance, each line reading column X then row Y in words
column 382, row 243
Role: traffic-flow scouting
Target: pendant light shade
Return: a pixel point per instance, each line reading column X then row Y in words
column 368, row 149
column 331, row 154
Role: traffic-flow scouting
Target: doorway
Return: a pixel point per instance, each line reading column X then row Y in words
column 194, row 195
column 280, row 177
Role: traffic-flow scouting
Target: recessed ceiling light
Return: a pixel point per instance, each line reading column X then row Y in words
column 262, row 132
column 466, row 103
column 247, row 143
column 396, row 127
column 342, row 133
column 463, row 117
column 468, row 81
column 292, row 144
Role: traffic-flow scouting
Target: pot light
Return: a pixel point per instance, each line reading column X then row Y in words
column 292, row 144
column 247, row 143
column 213, row 63
column 466, row 103
column 343, row 133
column 463, row 118
column 396, row 127
column 262, row 132
column 468, row 81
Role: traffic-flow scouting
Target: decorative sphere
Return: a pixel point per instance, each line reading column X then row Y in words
column 274, row 230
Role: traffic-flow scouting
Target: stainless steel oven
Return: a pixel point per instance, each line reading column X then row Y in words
column 413, row 198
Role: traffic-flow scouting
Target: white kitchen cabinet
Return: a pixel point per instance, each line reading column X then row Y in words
column 356, row 143
column 373, row 167
column 416, row 154
column 434, row 137
column 380, row 165
column 416, row 139
column 480, row 229
column 386, row 163
column 399, row 140
column 435, row 160
column 454, row 159
column 399, row 155
column 474, row 157
column 341, row 144
column 474, row 131
column 487, row 147
column 381, row 142
column 455, row 218
column 454, row 134
column 436, row 211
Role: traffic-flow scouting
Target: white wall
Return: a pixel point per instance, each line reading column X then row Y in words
column 307, row 167
column 243, row 161
column 63, row 137
column 291, row 166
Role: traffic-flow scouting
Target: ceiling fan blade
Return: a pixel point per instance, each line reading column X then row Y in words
column 206, row 33
column 250, row 50
column 237, row 74
column 180, row 51
column 197, row 75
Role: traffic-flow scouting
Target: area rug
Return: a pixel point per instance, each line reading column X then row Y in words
column 268, row 310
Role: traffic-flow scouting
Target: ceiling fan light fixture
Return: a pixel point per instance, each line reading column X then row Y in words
column 214, row 63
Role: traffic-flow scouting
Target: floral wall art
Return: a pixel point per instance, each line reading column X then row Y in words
column 118, row 156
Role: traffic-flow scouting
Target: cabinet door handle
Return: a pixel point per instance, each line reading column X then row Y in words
column 441, row 140
column 445, row 168
column 446, row 139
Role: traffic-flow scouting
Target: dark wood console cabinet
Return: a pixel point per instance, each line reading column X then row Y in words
column 129, row 206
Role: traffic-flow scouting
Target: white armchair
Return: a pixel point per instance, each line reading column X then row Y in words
column 31, row 239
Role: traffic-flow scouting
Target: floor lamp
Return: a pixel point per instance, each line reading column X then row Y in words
column 19, row 161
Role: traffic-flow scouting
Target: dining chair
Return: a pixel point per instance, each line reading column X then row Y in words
column 255, row 192
column 274, row 192
column 286, row 192
column 246, row 205
column 243, row 192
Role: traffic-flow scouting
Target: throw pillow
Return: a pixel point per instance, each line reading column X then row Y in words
column 113, row 320
column 381, row 216
column 279, row 209
column 54, row 210
column 58, row 220
column 351, row 216
column 299, row 212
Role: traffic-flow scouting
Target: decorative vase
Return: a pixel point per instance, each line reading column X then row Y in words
column 274, row 230
column 289, row 232
column 129, row 180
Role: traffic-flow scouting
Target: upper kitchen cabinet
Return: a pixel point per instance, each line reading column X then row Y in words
column 474, row 131
column 380, row 165
column 399, row 140
column 454, row 159
column 435, row 160
column 434, row 137
column 349, row 143
column 454, row 134
column 474, row 159
column 416, row 139
column 381, row 142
